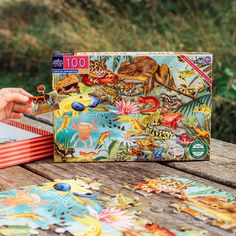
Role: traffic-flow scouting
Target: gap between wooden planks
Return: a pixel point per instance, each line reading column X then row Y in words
column 221, row 168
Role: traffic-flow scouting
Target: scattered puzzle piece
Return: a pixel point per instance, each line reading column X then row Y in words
column 74, row 207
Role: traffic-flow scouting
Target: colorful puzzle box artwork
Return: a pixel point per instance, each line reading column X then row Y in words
column 131, row 106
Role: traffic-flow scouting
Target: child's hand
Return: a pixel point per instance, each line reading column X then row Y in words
column 14, row 102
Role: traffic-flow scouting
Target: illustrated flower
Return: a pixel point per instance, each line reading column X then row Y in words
column 115, row 217
column 126, row 107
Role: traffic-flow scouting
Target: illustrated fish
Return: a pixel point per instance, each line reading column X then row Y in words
column 64, row 125
column 102, row 138
column 106, row 119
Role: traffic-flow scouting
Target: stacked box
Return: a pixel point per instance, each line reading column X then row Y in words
column 21, row 143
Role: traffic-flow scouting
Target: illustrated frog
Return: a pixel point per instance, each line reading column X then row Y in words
column 145, row 143
column 99, row 74
column 171, row 119
column 166, row 185
column 147, row 70
column 106, row 93
column 130, row 88
column 63, row 151
column 216, row 209
column 69, row 84
column 155, row 118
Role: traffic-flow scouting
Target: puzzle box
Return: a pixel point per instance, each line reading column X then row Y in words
column 139, row 106
column 21, row 143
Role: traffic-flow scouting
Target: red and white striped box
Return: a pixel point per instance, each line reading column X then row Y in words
column 35, row 144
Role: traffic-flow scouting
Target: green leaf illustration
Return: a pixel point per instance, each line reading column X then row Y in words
column 100, row 158
column 188, row 107
column 113, row 148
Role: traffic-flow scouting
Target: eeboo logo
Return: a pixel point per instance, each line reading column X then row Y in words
column 198, row 149
column 57, row 63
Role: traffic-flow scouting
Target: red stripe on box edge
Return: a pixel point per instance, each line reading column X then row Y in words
column 32, row 140
column 27, row 127
column 23, row 152
column 30, row 145
column 24, row 160
column 28, row 155
column 200, row 72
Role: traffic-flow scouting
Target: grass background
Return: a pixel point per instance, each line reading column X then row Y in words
column 31, row 30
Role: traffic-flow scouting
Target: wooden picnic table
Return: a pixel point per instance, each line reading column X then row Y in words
column 219, row 172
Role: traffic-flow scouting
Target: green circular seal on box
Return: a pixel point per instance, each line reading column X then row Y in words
column 198, row 149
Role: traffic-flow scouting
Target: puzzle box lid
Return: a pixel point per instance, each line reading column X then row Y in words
column 132, row 106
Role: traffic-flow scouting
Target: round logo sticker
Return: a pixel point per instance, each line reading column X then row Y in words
column 198, row 149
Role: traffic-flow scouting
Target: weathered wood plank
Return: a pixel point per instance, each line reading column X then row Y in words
column 16, row 176
column 115, row 175
column 134, row 170
column 221, row 168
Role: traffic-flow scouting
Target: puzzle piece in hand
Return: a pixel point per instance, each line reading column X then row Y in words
column 44, row 102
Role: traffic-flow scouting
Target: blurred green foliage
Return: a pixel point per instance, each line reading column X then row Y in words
column 31, row 30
